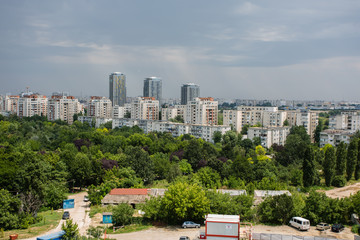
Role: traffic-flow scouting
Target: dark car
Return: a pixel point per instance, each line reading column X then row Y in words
column 184, row 238
column 337, row 227
column 189, row 224
column 66, row 215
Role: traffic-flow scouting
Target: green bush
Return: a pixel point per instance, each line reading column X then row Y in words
column 122, row 214
column 339, row 181
column 355, row 229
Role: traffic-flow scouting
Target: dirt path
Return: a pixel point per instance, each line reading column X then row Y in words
column 343, row 191
column 79, row 214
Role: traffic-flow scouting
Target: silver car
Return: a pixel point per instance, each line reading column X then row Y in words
column 322, row 226
column 189, row 224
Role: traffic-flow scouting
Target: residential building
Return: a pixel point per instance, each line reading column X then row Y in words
column 31, row 105
column 168, row 113
column 345, row 121
column 117, row 88
column 145, row 108
column 233, row 118
column 189, row 92
column 269, row 135
column 205, row 132
column 334, row 137
column 202, row 111
column 63, row 108
column 306, row 118
column 11, row 103
column 99, row 107
column 153, row 88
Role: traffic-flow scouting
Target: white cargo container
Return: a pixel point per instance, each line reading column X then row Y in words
column 222, row 227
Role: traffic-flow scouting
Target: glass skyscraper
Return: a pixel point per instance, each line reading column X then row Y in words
column 117, row 88
column 153, row 88
column 189, row 92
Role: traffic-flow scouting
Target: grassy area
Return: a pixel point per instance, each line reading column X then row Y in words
column 50, row 220
column 129, row 228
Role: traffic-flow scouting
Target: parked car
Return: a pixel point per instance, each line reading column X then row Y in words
column 189, row 224
column 86, row 198
column 66, row 215
column 337, row 227
column 323, row 226
column 184, row 238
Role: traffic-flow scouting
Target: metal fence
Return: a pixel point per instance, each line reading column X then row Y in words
column 266, row 236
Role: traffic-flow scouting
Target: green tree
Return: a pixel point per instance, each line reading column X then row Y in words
column 309, row 167
column 9, row 209
column 122, row 214
column 277, row 209
column 341, row 159
column 184, row 201
column 140, row 161
column 245, row 129
column 316, row 207
column 351, row 158
column 357, row 167
column 71, row 230
column 208, row 178
column 217, row 136
column 329, row 165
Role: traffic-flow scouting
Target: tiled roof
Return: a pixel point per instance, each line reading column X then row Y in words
column 129, row 191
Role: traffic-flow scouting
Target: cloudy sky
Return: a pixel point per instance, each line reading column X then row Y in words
column 278, row 49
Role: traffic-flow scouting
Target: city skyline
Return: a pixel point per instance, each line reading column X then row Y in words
column 297, row 50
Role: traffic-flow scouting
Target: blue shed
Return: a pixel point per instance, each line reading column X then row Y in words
column 107, row 217
column 52, row 236
column 68, row 203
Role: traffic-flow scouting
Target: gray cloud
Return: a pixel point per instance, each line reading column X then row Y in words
column 233, row 49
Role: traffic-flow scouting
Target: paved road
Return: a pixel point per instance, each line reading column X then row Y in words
column 79, row 214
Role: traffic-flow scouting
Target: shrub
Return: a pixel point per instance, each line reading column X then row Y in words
column 339, row 181
column 122, row 214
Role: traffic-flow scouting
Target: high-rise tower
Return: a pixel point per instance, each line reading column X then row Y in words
column 189, row 92
column 153, row 88
column 117, row 88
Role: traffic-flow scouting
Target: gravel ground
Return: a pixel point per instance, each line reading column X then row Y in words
column 174, row 233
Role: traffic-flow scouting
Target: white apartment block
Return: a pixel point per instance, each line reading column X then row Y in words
column 168, row 113
column 233, row 118
column 117, row 112
column 100, row 107
column 345, row 121
column 269, row 135
column 10, row 103
column 63, row 108
column 146, row 108
column 270, row 117
column 31, row 105
column 202, row 111
column 205, row 132
column 334, row 137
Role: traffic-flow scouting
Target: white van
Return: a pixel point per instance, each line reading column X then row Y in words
column 300, row 223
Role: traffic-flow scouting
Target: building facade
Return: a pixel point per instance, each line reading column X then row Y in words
column 189, row 92
column 117, row 88
column 269, row 135
column 145, row 108
column 153, row 88
column 31, row 105
column 63, row 108
column 334, row 137
column 100, row 107
column 202, row 111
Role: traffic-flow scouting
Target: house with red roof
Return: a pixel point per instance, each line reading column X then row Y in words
column 131, row 196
